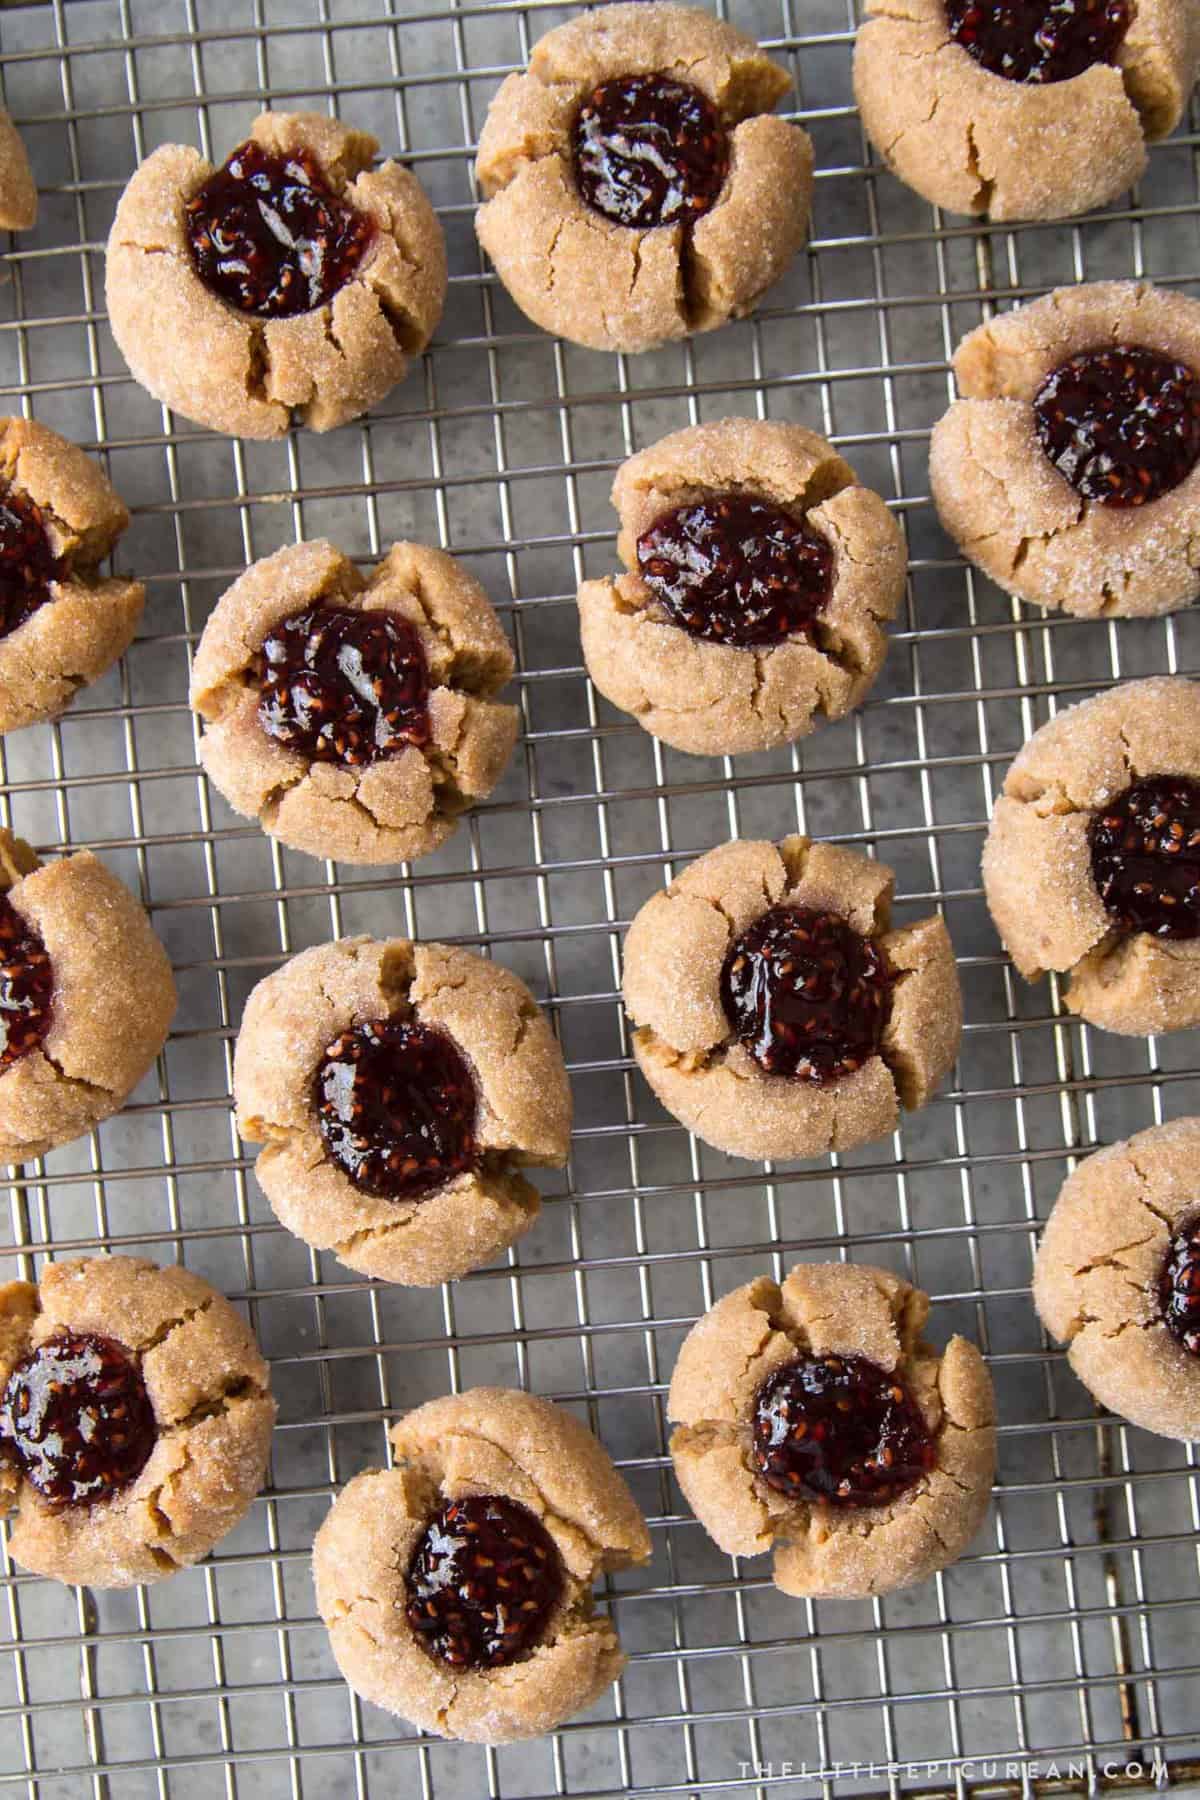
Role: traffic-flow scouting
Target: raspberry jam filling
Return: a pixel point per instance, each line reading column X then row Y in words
column 839, row 1429
column 1122, row 425
column 342, row 686
column 805, row 994
column 76, row 1418
column 649, row 151
column 396, row 1107
column 1146, row 856
column 26, row 986
column 736, row 571
column 1039, row 40
column 268, row 235
column 27, row 563
column 483, row 1581
column 1179, row 1287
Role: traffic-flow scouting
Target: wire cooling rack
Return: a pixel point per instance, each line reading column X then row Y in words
column 1064, row 1648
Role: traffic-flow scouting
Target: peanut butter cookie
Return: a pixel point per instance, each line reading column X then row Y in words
column 637, row 185
column 457, row 1586
column 400, row 1088
column 759, row 578
column 292, row 285
column 135, row 1420
column 779, row 1013
column 18, row 194
column 354, row 718
column 813, row 1421
column 1070, row 470
column 1092, row 861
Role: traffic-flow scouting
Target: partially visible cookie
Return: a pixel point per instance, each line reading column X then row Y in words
column 354, row 718
column 400, row 1089
column 18, row 192
column 779, row 1012
column 760, row 577
column 1117, row 1278
column 1092, row 861
column 813, row 1421
column 457, row 1587
column 637, row 185
column 135, row 1420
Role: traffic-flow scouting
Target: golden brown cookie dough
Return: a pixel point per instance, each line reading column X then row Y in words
column 685, row 1044
column 715, row 699
column 577, row 272
column 18, row 193
column 87, row 620
column 254, row 375
column 1005, row 503
column 821, row 1548
column 486, row 1442
column 523, row 1116
column 976, row 142
column 1098, row 1280
column 111, row 1004
column 1037, row 865
column 212, row 1418
column 406, row 803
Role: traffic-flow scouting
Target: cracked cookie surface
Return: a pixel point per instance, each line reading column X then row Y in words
column 793, row 667
column 602, row 212
column 18, row 191
column 354, row 717
column 973, row 140
column 861, row 1328
column 256, row 359
column 201, row 1451
column 1060, row 842
column 525, row 1453
column 1113, row 1273
column 1001, row 457
column 687, row 1044
column 422, row 1231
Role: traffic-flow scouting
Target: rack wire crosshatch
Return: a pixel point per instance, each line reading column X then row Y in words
column 1064, row 1646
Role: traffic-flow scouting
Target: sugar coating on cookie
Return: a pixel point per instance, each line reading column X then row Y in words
column 704, row 1058
column 300, row 279
column 1117, row 1277
column 759, row 578
column 354, row 717
column 637, row 186
column 1069, row 471
column 554, row 1515
column 372, row 1151
column 135, row 1420
column 1022, row 112
column 813, row 1421
column 1090, row 863
column 18, row 191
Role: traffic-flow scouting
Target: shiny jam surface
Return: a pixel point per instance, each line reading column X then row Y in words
column 396, row 1106
column 1145, row 850
column 76, row 1418
column 649, row 151
column 1121, row 425
column 1039, row 40
column 344, row 686
column 270, row 237
column 484, row 1579
column 805, row 994
column 26, row 986
column 736, row 571
column 1179, row 1286
column 27, row 563
column 839, row 1429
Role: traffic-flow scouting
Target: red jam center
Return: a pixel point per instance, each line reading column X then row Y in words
column 77, row 1419
column 839, row 1429
column 1122, row 425
column 342, row 686
column 483, row 1581
column 736, row 571
column 649, row 151
column 26, row 986
column 396, row 1106
column 268, row 235
column 1146, row 857
column 27, row 563
column 805, row 994
column 1039, row 40
column 1179, row 1287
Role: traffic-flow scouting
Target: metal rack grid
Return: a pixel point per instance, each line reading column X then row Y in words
column 1066, row 1640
